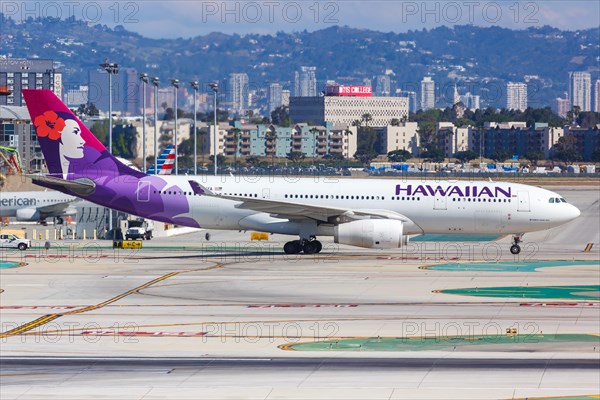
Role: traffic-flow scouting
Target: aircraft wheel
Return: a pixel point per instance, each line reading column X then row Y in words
column 515, row 249
column 310, row 247
column 292, row 247
column 319, row 245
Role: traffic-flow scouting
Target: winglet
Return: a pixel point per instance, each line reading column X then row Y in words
column 199, row 189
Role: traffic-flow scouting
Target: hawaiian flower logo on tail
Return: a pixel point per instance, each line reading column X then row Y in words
column 63, row 132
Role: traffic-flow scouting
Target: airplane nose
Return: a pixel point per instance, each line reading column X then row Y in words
column 574, row 212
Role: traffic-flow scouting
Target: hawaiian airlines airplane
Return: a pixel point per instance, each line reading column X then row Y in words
column 41, row 205
column 370, row 213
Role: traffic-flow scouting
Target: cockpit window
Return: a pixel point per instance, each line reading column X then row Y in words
column 556, row 200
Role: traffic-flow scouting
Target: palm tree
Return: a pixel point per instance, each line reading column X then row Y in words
column 315, row 132
column 235, row 136
column 366, row 118
column 346, row 132
column 271, row 137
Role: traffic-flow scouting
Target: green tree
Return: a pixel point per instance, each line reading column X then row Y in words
column 88, row 109
column 534, row 156
column 465, row 156
column 100, row 130
column 271, row 144
column 566, row 150
column 366, row 157
column 399, row 155
column 124, row 141
column 588, row 120
column 252, row 160
column 314, row 131
column 501, row 155
column 367, row 137
column 281, row 116
column 433, row 154
column 295, row 156
column 169, row 114
column 235, row 136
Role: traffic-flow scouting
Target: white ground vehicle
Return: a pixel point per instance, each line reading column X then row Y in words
column 139, row 229
column 13, row 241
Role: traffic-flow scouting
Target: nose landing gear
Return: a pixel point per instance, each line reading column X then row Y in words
column 515, row 248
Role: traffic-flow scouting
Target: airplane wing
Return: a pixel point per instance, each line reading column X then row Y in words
column 297, row 210
column 54, row 209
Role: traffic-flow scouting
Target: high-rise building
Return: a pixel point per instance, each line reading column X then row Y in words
column 580, row 90
column 516, row 96
column 77, row 97
column 305, row 82
column 427, row 93
column 561, row 107
column 412, row 100
column 597, row 96
column 383, row 86
column 347, row 109
column 238, row 86
column 470, row 101
column 285, row 98
column 125, row 90
column 17, row 74
column 275, row 93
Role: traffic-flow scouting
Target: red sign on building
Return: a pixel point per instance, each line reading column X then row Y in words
column 341, row 90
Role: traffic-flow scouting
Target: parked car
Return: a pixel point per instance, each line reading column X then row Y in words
column 13, row 241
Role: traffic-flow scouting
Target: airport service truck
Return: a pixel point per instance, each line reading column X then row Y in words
column 139, row 229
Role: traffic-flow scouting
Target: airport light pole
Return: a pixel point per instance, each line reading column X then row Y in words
column 144, row 79
column 215, row 88
column 195, row 86
column 111, row 69
column 175, row 84
column 155, row 82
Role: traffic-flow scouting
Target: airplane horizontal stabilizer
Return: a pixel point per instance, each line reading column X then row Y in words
column 80, row 186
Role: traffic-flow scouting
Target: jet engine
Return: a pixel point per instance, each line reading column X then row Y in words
column 370, row 233
column 28, row 214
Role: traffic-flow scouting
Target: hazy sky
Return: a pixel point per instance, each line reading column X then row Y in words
column 168, row 19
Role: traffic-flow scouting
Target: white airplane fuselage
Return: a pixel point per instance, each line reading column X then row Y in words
column 35, row 205
column 459, row 207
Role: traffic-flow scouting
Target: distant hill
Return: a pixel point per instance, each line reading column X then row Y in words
column 481, row 59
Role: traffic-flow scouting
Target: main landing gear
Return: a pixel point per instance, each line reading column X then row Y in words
column 515, row 248
column 310, row 246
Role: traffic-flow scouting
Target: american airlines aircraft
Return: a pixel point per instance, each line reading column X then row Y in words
column 164, row 162
column 36, row 206
column 369, row 213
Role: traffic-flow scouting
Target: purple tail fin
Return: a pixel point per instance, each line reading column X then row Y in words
column 70, row 149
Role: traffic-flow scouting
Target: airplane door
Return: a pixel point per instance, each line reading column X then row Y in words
column 266, row 193
column 440, row 202
column 523, row 199
column 143, row 191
